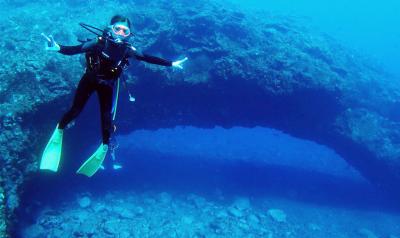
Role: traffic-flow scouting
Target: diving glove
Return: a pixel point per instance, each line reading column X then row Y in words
column 179, row 63
column 52, row 153
column 90, row 167
column 51, row 44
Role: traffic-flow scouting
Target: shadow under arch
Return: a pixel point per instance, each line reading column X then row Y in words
column 147, row 170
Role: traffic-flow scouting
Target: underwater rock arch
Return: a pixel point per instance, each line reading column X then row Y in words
column 244, row 70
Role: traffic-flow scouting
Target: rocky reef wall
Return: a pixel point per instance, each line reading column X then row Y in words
column 244, row 70
column 3, row 227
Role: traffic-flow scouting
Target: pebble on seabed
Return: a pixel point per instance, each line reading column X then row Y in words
column 365, row 233
column 84, row 202
column 140, row 218
column 277, row 215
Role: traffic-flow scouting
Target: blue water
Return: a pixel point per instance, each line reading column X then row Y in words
column 370, row 27
column 185, row 177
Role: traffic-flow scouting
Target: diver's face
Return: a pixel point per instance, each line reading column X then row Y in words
column 120, row 31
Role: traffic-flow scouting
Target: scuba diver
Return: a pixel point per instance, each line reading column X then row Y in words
column 106, row 57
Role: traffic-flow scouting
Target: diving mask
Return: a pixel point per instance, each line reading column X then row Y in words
column 121, row 30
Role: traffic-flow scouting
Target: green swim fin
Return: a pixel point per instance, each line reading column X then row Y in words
column 90, row 167
column 52, row 153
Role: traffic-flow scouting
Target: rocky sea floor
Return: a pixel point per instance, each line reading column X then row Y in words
column 161, row 214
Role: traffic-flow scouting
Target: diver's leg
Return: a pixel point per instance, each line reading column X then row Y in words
column 105, row 94
column 52, row 153
column 82, row 95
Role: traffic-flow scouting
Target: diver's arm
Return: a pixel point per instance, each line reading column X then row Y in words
column 78, row 49
column 148, row 58
column 51, row 45
column 71, row 50
column 154, row 60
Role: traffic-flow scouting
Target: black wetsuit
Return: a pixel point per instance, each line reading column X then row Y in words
column 105, row 61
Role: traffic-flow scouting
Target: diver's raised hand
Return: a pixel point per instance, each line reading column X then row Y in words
column 51, row 44
column 179, row 63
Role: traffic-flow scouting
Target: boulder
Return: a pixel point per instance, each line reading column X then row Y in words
column 84, row 202
column 112, row 227
column 277, row 215
column 242, row 204
column 165, row 198
column 233, row 211
column 365, row 233
column 253, row 220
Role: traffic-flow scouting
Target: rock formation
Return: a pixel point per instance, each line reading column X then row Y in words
column 244, row 70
